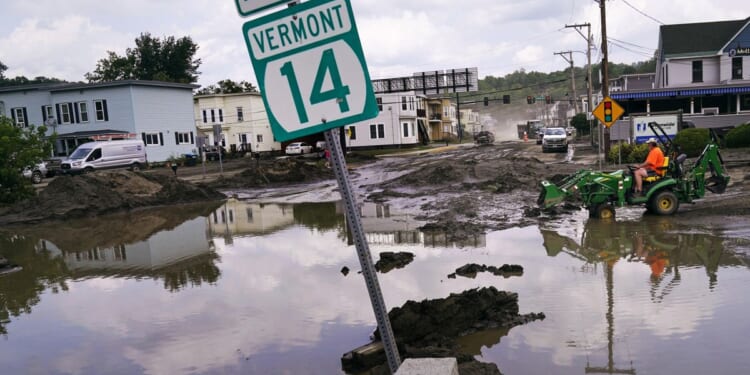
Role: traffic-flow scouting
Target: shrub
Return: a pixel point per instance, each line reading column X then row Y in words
column 739, row 136
column 692, row 141
column 631, row 153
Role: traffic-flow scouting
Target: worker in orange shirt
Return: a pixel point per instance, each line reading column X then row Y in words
column 654, row 160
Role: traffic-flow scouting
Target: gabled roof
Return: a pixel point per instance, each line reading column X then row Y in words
column 696, row 39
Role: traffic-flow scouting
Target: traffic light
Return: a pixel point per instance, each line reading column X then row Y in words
column 486, row 101
column 530, row 99
column 506, row 99
column 548, row 99
column 607, row 111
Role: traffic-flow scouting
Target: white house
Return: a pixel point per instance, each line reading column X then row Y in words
column 160, row 113
column 396, row 124
column 242, row 118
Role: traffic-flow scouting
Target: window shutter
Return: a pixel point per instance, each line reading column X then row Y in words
column 106, row 113
column 143, row 136
column 78, row 115
column 59, row 118
column 192, row 140
column 13, row 115
column 161, row 139
column 25, row 118
column 44, row 116
column 176, row 138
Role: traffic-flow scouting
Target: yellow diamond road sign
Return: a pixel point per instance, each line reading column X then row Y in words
column 608, row 111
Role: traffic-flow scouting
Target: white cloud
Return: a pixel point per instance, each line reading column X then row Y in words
column 65, row 39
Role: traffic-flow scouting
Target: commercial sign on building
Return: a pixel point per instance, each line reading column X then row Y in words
column 739, row 51
column 641, row 131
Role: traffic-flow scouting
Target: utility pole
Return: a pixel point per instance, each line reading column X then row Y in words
column 590, row 84
column 572, row 75
column 605, row 68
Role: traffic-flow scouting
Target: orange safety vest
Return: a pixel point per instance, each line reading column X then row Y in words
column 655, row 159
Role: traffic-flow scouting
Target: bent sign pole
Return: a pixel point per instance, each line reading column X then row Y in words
column 311, row 69
column 363, row 250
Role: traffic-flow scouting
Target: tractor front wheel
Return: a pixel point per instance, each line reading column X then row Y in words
column 602, row 211
column 665, row 203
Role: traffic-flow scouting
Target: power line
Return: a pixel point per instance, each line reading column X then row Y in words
column 631, row 44
column 644, row 14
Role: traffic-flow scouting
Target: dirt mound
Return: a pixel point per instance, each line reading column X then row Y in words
column 470, row 270
column 430, row 328
column 276, row 172
column 102, row 192
column 390, row 260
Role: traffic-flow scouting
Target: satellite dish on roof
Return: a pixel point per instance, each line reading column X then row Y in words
column 50, row 121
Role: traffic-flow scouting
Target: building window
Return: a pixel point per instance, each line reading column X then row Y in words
column 47, row 113
column 151, row 139
column 205, row 117
column 65, row 113
column 698, row 71
column 83, row 111
column 259, row 138
column 240, row 115
column 182, row 138
column 403, row 103
column 221, row 116
column 213, row 116
column 380, row 104
column 737, row 68
column 19, row 117
column 377, row 131
column 100, row 106
column 406, row 129
column 352, row 132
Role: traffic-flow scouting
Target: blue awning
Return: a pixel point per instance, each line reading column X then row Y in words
column 684, row 92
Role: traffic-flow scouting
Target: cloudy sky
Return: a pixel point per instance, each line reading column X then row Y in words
column 65, row 39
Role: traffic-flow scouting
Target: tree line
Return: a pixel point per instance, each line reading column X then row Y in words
column 556, row 84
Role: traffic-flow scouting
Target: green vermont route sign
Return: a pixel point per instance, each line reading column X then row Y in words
column 310, row 68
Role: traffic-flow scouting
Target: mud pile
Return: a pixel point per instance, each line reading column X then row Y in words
column 390, row 260
column 103, row 192
column 430, row 328
column 471, row 270
column 274, row 173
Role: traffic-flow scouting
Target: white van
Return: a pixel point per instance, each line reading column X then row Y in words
column 106, row 154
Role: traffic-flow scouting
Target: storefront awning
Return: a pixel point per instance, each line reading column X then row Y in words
column 624, row 95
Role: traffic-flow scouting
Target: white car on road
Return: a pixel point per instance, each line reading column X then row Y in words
column 298, row 148
column 554, row 139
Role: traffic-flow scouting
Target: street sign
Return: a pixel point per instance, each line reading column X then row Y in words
column 608, row 111
column 310, row 68
column 248, row 7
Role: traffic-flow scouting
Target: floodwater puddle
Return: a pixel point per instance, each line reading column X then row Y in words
column 250, row 287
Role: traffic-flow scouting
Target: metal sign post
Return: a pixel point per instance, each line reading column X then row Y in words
column 363, row 251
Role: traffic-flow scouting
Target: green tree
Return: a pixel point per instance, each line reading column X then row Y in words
column 227, row 86
column 20, row 148
column 581, row 124
column 3, row 68
column 167, row 59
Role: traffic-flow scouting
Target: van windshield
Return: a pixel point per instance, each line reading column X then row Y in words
column 80, row 153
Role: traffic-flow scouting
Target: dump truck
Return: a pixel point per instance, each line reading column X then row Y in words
column 601, row 192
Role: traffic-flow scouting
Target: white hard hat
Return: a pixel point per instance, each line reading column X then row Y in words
column 652, row 140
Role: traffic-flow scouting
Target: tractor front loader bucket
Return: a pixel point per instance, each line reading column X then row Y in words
column 551, row 195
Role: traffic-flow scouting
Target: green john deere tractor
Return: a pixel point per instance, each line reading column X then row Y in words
column 601, row 192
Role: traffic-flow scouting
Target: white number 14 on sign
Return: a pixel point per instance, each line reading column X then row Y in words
column 326, row 67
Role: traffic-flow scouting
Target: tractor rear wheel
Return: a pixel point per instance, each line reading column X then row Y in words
column 665, row 203
column 603, row 211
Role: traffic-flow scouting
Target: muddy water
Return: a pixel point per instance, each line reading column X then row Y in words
column 256, row 288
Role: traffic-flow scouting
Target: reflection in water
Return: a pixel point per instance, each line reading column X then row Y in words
column 651, row 241
column 382, row 225
column 169, row 245
column 237, row 218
